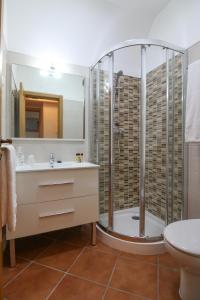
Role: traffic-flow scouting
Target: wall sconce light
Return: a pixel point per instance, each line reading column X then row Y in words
column 51, row 72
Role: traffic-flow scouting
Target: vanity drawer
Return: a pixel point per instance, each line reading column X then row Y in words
column 55, row 184
column 43, row 217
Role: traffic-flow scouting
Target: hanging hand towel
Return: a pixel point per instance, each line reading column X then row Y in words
column 192, row 126
column 8, row 187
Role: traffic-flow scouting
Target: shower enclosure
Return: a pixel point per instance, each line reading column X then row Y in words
column 137, row 106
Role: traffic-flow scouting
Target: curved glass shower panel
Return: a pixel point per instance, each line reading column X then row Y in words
column 156, row 149
column 137, row 125
column 127, row 74
column 101, row 125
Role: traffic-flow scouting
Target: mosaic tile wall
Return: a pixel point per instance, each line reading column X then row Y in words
column 100, row 132
column 178, row 144
column 155, row 184
column 126, row 142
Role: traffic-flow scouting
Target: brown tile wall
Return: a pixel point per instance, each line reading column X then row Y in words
column 156, row 171
column 126, row 143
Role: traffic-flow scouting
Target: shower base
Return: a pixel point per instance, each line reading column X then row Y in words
column 126, row 225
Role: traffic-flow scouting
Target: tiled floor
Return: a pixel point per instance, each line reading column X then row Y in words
column 63, row 266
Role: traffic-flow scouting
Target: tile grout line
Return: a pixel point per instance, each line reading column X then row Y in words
column 67, row 272
column 17, row 275
column 127, row 292
column 48, row 267
column 86, row 279
column 55, row 287
column 24, row 258
column 44, row 250
column 110, row 278
column 130, row 293
column 76, row 259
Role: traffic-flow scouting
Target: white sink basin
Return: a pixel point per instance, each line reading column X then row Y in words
column 44, row 166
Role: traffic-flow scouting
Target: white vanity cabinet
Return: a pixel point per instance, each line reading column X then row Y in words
column 51, row 199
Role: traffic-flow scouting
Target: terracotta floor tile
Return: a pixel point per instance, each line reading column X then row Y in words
column 168, row 261
column 94, row 265
column 169, row 284
column 78, row 236
column 30, row 247
column 35, row 283
column 60, row 255
column 77, row 289
column 9, row 273
column 136, row 277
column 146, row 258
column 117, row 295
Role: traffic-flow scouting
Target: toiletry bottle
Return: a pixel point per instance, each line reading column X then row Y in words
column 81, row 155
column 78, row 157
column 20, row 156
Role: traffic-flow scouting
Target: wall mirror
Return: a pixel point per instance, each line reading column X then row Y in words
column 47, row 104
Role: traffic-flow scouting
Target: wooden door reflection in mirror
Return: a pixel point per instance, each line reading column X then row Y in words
column 40, row 115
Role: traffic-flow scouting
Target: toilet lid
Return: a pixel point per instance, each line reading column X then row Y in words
column 184, row 235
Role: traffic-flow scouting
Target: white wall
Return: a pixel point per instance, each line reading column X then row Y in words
column 63, row 149
column 3, row 54
column 194, row 181
column 178, row 23
column 76, row 31
column 194, row 158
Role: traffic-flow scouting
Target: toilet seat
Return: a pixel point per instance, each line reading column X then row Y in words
column 184, row 236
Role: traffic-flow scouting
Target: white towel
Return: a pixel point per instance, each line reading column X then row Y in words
column 8, row 187
column 192, row 126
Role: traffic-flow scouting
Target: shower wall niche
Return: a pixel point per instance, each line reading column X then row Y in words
column 116, row 137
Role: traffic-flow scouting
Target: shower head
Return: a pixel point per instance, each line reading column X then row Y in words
column 120, row 73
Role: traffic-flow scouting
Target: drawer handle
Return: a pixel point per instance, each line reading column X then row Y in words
column 71, row 181
column 56, row 213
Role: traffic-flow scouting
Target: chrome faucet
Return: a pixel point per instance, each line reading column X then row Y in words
column 52, row 159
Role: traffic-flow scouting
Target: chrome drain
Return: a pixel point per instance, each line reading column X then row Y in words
column 135, row 217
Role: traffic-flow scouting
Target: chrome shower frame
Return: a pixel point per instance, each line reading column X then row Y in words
column 143, row 43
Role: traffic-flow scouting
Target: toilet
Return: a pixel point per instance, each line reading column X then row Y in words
column 182, row 239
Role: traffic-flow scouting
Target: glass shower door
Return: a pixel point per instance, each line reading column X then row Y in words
column 100, row 126
column 137, row 139
column 164, row 140
column 126, row 99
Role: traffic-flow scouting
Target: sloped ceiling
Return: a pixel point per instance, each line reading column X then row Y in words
column 76, row 31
